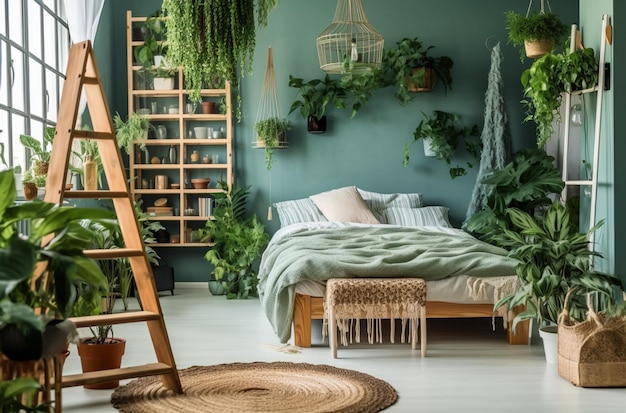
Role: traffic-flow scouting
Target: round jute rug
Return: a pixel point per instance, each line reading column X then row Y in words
column 259, row 387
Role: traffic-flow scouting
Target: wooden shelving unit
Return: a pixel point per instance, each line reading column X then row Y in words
column 180, row 134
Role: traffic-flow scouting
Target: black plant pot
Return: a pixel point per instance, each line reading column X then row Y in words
column 315, row 125
column 19, row 346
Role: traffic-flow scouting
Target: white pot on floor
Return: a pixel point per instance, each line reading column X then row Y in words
column 549, row 336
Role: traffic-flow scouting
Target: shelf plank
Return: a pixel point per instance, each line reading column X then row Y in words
column 113, row 253
column 100, row 194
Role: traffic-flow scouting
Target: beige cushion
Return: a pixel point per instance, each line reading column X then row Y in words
column 344, row 204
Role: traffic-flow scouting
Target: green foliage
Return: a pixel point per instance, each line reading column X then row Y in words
column 357, row 88
column 400, row 61
column 272, row 131
column 212, row 39
column 154, row 44
column 11, row 392
column 535, row 27
column 30, row 176
column 548, row 78
column 39, row 151
column 526, row 183
column 237, row 242
column 553, row 257
column 316, row 95
column 62, row 261
column 445, row 137
column 127, row 132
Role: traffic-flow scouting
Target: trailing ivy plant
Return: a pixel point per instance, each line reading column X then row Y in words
column 444, row 137
column 269, row 132
column 548, row 78
column 213, row 38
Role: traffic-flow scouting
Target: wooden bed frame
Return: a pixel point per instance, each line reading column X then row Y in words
column 307, row 308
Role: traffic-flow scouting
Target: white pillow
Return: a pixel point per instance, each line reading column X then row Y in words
column 378, row 203
column 344, row 204
column 298, row 210
column 434, row 216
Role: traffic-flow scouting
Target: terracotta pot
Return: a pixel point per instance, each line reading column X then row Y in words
column 427, row 82
column 30, row 191
column 95, row 357
column 208, row 107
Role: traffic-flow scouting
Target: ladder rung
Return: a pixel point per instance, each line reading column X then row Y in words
column 101, row 376
column 95, row 194
column 580, row 182
column 116, row 318
column 113, row 253
column 583, row 91
column 88, row 134
column 88, row 80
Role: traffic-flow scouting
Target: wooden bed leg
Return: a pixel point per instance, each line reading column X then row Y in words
column 520, row 336
column 302, row 320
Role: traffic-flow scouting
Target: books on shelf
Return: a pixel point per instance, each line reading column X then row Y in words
column 206, row 206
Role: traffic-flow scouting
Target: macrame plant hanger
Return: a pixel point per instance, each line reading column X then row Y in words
column 543, row 8
column 269, row 108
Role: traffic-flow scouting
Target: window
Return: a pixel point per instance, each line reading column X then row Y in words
column 34, row 44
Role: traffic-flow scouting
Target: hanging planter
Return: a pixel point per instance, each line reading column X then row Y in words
column 535, row 34
column 315, row 125
column 271, row 129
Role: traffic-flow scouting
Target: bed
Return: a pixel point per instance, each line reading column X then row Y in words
column 350, row 232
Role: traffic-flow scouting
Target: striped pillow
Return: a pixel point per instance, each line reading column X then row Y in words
column 378, row 203
column 298, row 210
column 434, row 216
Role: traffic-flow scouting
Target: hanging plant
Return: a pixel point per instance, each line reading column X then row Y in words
column 209, row 39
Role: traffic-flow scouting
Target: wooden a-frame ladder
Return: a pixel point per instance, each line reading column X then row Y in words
column 82, row 74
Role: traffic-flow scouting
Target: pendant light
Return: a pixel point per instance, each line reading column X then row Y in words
column 350, row 43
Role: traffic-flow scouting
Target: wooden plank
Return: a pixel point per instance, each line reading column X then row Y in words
column 95, row 194
column 123, row 373
column 116, row 318
column 302, row 320
column 113, row 253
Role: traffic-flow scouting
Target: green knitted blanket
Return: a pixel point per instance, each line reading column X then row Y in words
column 367, row 251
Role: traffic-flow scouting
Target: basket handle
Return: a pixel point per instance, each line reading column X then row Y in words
column 591, row 313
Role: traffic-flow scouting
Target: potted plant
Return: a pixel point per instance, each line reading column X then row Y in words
column 39, row 153
column 528, row 183
column 548, row 78
column 237, row 242
column 39, row 278
column 534, row 34
column 134, row 129
column 409, row 68
column 315, row 96
column 31, row 183
column 164, row 77
column 553, row 258
column 355, row 89
column 271, row 133
column 441, row 138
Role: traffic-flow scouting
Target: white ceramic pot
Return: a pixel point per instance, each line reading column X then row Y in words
column 163, row 83
column 427, row 149
column 549, row 336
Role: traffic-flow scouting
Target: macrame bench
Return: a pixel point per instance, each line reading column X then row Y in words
column 348, row 300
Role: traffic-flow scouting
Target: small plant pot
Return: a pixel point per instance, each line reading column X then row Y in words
column 428, row 150
column 315, row 125
column 537, row 49
column 427, row 83
column 163, row 83
column 41, row 168
column 208, row 107
column 96, row 357
column 30, row 191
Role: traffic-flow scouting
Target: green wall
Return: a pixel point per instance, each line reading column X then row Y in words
column 366, row 151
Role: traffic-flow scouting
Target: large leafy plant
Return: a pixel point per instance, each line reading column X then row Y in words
column 526, row 183
column 237, row 242
column 316, row 95
column 40, row 272
column 553, row 258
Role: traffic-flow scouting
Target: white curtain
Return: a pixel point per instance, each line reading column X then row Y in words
column 83, row 17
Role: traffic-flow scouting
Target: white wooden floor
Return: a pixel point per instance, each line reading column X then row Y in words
column 469, row 367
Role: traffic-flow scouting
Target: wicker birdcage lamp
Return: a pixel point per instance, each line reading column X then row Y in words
column 350, row 42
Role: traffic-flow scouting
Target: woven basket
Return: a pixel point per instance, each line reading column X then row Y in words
column 592, row 353
column 537, row 48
